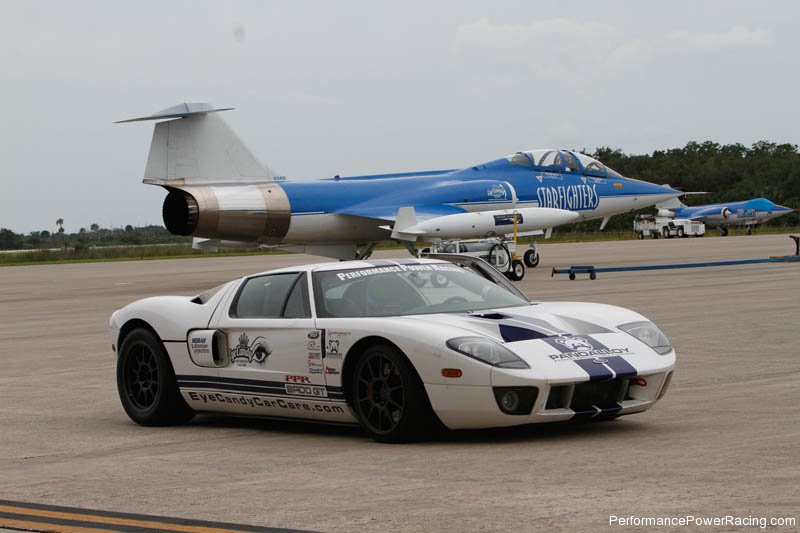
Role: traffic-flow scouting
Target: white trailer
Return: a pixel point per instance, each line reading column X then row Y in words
column 655, row 227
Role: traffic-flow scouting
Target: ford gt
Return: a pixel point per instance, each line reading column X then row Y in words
column 397, row 346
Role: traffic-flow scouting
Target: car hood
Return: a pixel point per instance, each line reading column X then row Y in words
column 564, row 340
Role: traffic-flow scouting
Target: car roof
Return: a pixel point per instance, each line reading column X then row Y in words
column 347, row 265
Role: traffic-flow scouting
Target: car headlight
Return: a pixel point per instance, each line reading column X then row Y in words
column 486, row 350
column 648, row 333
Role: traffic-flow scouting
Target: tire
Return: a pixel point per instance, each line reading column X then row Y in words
column 592, row 275
column 146, row 382
column 665, row 233
column 749, row 230
column 723, row 231
column 572, row 275
column 640, row 235
column 517, row 271
column 531, row 258
column 654, row 235
column 680, row 232
column 388, row 397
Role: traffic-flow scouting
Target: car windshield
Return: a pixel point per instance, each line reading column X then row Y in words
column 406, row 290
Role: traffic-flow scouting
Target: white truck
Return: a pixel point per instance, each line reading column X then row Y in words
column 655, row 227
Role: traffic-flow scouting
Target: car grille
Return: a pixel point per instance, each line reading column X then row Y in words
column 602, row 394
column 588, row 395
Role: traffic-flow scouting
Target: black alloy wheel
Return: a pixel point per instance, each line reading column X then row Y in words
column 388, row 396
column 141, row 376
column 146, row 382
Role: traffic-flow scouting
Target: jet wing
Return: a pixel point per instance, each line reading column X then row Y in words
column 389, row 212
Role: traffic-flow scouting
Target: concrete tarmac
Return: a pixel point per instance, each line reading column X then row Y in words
column 724, row 440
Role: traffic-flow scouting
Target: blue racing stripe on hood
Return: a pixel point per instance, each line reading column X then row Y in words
column 514, row 333
column 596, row 370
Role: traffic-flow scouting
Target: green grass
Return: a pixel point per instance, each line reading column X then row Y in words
column 106, row 254
column 184, row 251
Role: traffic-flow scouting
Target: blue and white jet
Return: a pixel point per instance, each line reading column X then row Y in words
column 748, row 213
column 222, row 195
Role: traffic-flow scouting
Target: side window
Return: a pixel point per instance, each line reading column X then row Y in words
column 264, row 296
column 297, row 303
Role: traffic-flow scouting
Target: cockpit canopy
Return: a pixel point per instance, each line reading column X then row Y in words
column 562, row 161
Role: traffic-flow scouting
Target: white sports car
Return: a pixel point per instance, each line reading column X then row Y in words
column 395, row 345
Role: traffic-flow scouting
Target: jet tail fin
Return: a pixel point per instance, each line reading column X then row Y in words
column 199, row 147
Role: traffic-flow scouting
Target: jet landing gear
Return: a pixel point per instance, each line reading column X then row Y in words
column 723, row 230
column 531, row 256
column 749, row 229
column 365, row 252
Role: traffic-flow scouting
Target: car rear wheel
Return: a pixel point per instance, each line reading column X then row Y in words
column 388, row 396
column 146, row 382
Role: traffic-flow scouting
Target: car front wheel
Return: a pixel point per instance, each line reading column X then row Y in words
column 146, row 382
column 388, row 396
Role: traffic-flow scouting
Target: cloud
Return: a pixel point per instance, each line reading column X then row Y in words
column 736, row 38
column 552, row 48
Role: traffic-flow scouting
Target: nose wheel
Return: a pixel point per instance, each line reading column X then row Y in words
column 531, row 258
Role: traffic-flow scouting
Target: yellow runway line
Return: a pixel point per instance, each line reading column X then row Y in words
column 102, row 520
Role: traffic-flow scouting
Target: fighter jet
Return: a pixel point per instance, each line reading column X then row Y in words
column 218, row 192
column 748, row 213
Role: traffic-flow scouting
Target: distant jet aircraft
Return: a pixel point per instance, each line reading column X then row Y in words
column 747, row 213
column 222, row 195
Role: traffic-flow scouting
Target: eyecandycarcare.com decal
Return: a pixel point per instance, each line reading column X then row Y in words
column 293, row 398
column 247, row 400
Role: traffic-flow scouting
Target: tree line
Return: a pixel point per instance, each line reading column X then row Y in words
column 84, row 238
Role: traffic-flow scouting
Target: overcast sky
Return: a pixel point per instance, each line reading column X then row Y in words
column 364, row 87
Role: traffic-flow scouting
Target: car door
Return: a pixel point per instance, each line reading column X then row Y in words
column 274, row 351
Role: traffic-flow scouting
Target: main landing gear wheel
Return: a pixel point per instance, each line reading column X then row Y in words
column 146, row 382
column 517, row 271
column 531, row 258
column 723, row 231
column 388, row 396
